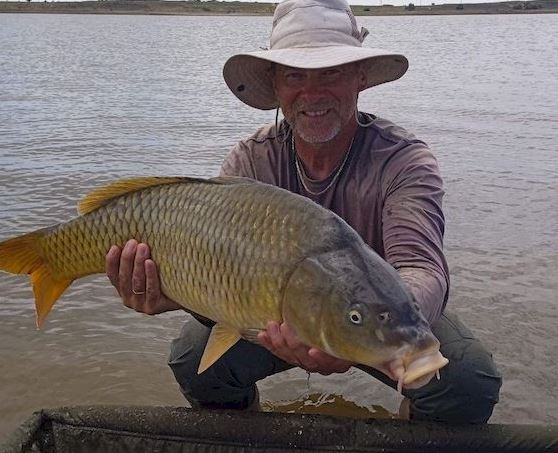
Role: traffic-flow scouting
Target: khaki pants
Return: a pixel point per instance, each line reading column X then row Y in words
column 466, row 392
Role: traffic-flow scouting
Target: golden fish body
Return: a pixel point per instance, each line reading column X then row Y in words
column 240, row 253
column 220, row 252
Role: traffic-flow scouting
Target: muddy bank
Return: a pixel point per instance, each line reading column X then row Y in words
column 244, row 8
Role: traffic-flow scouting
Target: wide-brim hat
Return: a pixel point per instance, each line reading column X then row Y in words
column 308, row 34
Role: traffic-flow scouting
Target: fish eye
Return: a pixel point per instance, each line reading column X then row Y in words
column 355, row 317
column 384, row 316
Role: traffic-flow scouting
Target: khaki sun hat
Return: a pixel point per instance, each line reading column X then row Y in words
column 308, row 34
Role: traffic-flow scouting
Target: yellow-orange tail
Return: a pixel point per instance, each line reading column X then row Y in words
column 23, row 255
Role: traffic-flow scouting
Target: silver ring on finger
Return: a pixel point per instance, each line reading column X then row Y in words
column 138, row 293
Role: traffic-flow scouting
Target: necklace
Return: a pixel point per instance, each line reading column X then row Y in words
column 302, row 176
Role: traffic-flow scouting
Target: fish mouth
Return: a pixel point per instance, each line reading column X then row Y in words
column 419, row 370
column 413, row 369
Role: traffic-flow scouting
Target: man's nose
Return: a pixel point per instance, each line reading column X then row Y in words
column 313, row 85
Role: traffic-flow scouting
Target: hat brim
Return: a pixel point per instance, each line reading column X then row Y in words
column 249, row 75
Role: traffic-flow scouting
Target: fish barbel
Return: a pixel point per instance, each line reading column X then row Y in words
column 241, row 253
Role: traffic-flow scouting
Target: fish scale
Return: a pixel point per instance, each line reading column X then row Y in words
column 218, row 275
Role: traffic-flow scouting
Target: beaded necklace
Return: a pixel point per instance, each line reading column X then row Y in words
column 302, row 176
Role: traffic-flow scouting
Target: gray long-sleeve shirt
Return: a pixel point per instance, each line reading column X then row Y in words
column 390, row 191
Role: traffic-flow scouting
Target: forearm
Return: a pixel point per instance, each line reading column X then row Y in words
column 413, row 246
column 413, row 226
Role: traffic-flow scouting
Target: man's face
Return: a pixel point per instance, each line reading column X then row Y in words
column 319, row 103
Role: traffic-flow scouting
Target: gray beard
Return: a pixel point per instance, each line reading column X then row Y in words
column 322, row 138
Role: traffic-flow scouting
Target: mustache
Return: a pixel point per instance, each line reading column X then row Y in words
column 315, row 106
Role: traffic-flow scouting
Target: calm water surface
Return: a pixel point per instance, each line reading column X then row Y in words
column 88, row 99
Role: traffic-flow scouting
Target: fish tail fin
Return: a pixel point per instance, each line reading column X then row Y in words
column 23, row 255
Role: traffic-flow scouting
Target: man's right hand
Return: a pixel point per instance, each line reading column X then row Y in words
column 135, row 277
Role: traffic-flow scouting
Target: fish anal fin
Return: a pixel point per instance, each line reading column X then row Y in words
column 221, row 339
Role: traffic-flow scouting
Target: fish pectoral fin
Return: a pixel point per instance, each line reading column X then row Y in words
column 251, row 335
column 221, row 339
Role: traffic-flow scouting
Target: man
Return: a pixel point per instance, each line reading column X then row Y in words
column 382, row 180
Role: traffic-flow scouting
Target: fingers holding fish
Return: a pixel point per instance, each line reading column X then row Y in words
column 136, row 278
column 154, row 301
column 139, row 278
column 283, row 342
column 119, row 266
column 275, row 341
column 327, row 363
column 112, row 263
column 125, row 273
column 126, row 270
column 133, row 281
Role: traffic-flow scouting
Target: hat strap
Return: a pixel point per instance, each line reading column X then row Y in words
column 357, row 115
column 363, row 34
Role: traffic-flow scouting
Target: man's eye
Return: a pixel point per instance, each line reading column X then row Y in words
column 294, row 76
column 331, row 73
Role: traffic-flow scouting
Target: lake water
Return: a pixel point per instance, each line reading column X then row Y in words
column 88, row 99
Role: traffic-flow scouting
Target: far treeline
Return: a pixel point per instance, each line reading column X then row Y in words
column 417, row 7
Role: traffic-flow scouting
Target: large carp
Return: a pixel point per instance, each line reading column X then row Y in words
column 241, row 253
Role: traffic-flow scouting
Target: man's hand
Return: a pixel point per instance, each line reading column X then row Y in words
column 282, row 342
column 135, row 277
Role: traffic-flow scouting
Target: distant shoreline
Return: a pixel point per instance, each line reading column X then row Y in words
column 213, row 8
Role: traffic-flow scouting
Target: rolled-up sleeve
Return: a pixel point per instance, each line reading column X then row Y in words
column 413, row 226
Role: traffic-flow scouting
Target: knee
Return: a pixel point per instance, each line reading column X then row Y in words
column 467, row 391
column 217, row 387
column 186, row 351
column 476, row 384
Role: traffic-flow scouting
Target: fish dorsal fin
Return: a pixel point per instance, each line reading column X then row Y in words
column 101, row 196
column 230, row 180
column 221, row 339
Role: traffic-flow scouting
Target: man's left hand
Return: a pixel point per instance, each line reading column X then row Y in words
column 282, row 342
